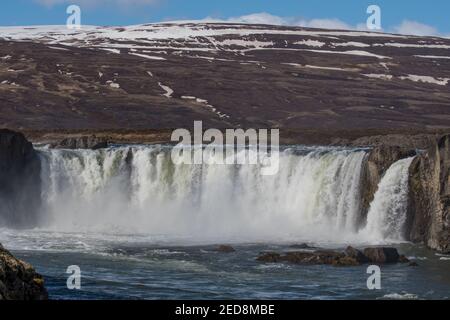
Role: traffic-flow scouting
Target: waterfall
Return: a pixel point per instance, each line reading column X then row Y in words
column 387, row 213
column 316, row 196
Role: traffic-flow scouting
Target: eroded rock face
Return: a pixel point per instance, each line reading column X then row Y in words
column 429, row 197
column 83, row 142
column 18, row 279
column 20, row 182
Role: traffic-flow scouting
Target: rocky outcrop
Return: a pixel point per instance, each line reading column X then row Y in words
column 429, row 197
column 82, row 142
column 378, row 162
column 18, row 279
column 406, row 141
column 350, row 257
column 20, row 191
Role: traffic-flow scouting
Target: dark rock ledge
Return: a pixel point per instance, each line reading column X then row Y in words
column 349, row 257
column 18, row 279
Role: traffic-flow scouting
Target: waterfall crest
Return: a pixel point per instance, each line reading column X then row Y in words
column 316, row 195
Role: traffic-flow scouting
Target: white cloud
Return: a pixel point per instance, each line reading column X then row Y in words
column 260, row 18
column 415, row 28
column 325, row 24
column 407, row 27
column 267, row 18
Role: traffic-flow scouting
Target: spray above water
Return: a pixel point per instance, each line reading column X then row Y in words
column 316, row 196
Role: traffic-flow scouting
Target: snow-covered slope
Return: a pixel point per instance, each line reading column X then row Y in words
column 169, row 74
column 211, row 37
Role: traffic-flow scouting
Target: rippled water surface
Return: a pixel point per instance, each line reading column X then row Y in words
column 134, row 267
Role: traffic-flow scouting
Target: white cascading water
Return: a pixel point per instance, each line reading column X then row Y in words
column 387, row 213
column 314, row 197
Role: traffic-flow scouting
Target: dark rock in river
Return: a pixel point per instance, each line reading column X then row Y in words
column 20, row 182
column 356, row 254
column 83, row 142
column 382, row 255
column 18, row 279
column 346, row 262
column 225, row 249
column 316, row 258
column 321, row 257
column 403, row 259
column 429, row 197
column 270, row 257
column 350, row 257
column 301, row 246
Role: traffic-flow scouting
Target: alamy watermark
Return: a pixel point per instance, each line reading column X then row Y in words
column 237, row 146
column 374, row 20
column 74, row 19
column 74, row 280
column 374, row 280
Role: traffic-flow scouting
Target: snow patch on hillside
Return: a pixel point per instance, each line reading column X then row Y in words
column 351, row 52
column 168, row 91
column 379, row 76
column 431, row 57
column 426, row 79
column 351, row 44
column 311, row 43
column 147, row 56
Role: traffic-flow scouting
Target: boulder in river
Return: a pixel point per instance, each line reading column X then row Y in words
column 225, row 249
column 269, row 257
column 356, row 254
column 320, row 257
column 350, row 257
column 301, row 246
column 382, row 255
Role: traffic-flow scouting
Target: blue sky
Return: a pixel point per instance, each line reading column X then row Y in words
column 425, row 16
